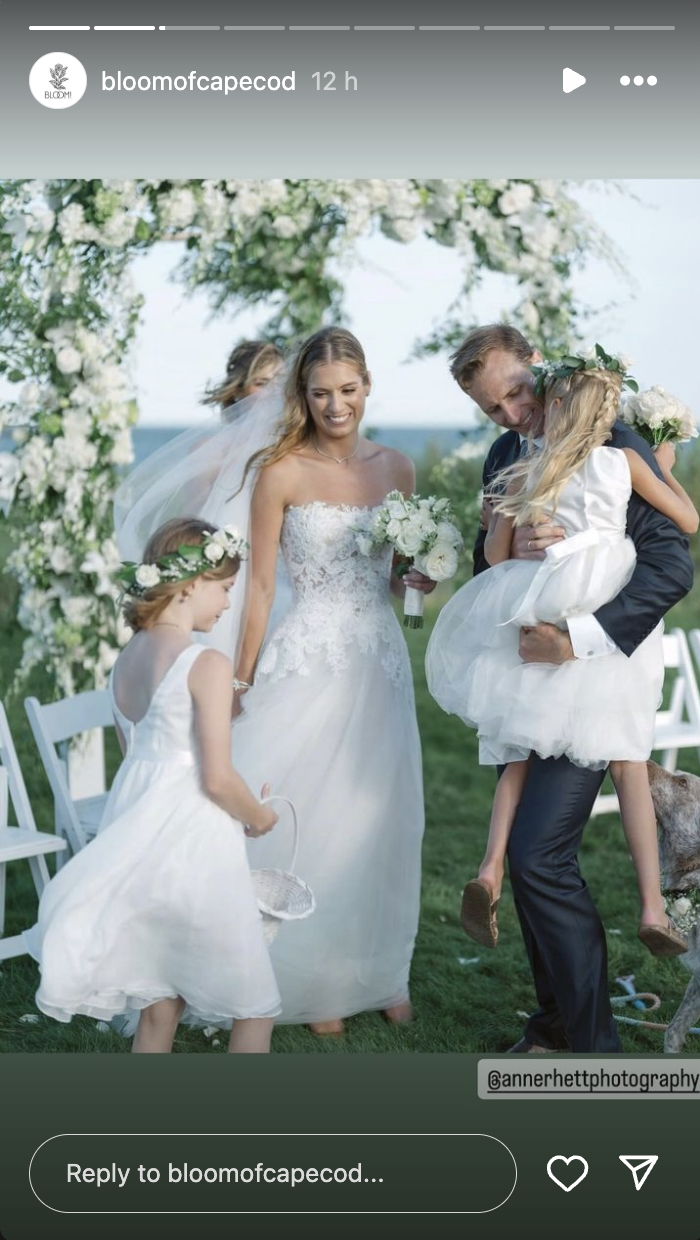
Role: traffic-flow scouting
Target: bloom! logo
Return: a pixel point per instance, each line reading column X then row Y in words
column 58, row 80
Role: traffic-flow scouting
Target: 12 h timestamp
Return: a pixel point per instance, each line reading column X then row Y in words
column 332, row 81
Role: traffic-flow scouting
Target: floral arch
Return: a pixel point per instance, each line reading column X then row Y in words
column 69, row 313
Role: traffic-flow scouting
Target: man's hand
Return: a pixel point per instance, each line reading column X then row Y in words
column 419, row 581
column 531, row 541
column 544, row 643
column 486, row 514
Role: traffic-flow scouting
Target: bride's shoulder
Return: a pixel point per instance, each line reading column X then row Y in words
column 275, row 480
column 399, row 469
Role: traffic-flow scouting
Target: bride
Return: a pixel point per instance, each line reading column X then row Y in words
column 325, row 704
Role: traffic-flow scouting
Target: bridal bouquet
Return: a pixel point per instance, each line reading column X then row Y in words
column 659, row 417
column 423, row 532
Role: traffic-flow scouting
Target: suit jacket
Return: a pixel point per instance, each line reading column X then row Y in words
column 664, row 570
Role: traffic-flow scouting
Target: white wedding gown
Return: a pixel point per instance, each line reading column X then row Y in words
column 331, row 724
column 592, row 711
column 161, row 902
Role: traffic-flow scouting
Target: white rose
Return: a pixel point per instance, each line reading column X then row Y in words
column 30, row 395
column 365, row 544
column 410, row 540
column 680, row 907
column 396, row 510
column 71, row 224
column 448, row 533
column 77, row 611
column 147, row 576
column 393, row 528
column 89, row 344
column 517, row 198
column 76, row 423
column 122, row 451
column 118, row 230
column 214, row 552
column 10, row 473
column 68, row 360
column 424, row 522
column 61, row 560
column 285, row 227
column 178, row 208
column 440, row 506
column 34, row 461
column 275, row 191
column 440, row 563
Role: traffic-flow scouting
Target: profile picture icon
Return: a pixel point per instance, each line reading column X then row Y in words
column 58, row 80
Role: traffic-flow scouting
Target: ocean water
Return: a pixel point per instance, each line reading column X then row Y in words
column 415, row 441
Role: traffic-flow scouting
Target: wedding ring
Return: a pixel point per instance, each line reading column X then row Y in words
column 246, row 829
column 529, row 544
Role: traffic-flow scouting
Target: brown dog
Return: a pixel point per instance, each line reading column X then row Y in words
column 676, row 798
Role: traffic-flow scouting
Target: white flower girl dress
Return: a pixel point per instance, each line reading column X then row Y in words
column 161, row 903
column 593, row 711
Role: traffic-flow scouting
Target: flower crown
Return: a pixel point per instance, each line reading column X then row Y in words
column 188, row 561
column 597, row 359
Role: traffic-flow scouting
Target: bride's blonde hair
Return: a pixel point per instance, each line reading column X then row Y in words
column 583, row 421
column 330, row 344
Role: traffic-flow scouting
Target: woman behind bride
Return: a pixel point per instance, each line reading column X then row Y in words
column 326, row 706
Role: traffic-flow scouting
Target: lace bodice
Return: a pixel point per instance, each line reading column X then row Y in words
column 341, row 597
column 165, row 733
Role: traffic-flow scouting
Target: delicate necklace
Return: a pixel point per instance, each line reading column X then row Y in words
column 339, row 460
column 159, row 624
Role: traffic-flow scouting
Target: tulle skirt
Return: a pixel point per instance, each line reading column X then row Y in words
column 343, row 745
column 159, row 905
column 593, row 711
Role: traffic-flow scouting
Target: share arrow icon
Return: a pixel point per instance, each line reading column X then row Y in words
column 641, row 1165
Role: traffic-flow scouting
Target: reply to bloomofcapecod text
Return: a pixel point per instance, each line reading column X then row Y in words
column 115, row 1175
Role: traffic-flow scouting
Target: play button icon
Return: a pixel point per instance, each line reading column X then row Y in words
column 572, row 80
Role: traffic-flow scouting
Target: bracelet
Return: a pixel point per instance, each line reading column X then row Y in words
column 241, row 685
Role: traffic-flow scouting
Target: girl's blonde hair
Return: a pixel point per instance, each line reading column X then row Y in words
column 583, row 421
column 244, row 365
column 142, row 613
column 331, row 344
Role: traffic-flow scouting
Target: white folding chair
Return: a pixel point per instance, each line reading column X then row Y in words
column 23, row 842
column 694, row 640
column 678, row 726
column 54, row 726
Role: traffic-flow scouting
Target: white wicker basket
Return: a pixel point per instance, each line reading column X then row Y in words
column 281, row 895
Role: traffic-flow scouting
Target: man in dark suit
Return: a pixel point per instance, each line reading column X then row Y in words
column 563, row 934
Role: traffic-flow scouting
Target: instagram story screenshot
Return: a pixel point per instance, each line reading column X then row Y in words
column 349, row 640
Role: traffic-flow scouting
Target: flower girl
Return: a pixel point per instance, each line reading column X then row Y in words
column 593, row 711
column 158, row 915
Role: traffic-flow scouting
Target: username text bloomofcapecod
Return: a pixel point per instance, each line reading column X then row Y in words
column 193, row 80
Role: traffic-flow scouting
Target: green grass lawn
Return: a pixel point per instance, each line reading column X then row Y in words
column 466, row 999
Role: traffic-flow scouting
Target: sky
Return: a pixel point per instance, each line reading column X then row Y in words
column 396, row 293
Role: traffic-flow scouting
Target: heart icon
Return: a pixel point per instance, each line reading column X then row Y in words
column 575, row 1158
